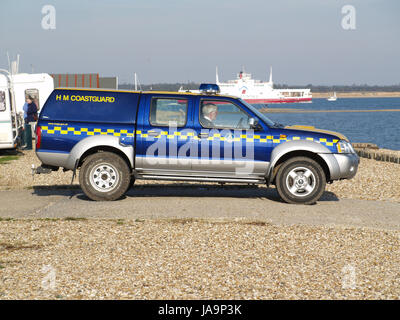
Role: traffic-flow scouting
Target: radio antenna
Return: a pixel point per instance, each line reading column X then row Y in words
column 9, row 65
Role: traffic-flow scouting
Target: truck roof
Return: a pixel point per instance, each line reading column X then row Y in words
column 147, row 92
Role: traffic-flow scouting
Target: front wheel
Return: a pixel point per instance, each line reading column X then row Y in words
column 300, row 180
column 104, row 176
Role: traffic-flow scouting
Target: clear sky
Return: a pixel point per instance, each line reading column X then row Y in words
column 180, row 41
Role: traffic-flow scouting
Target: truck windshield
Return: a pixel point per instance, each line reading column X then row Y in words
column 263, row 117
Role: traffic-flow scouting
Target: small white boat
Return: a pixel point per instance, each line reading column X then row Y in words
column 332, row 98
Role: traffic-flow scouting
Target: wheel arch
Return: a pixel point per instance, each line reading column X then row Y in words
column 104, row 148
column 300, row 153
column 99, row 143
column 303, row 148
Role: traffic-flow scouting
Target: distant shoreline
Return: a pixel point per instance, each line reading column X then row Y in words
column 362, row 94
column 292, row 110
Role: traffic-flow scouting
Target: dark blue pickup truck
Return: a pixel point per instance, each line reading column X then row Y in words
column 116, row 137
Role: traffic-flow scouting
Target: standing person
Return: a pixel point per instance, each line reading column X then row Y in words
column 25, row 108
column 31, row 115
column 36, row 101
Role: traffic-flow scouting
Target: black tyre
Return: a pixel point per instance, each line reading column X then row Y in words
column 300, row 180
column 104, row 176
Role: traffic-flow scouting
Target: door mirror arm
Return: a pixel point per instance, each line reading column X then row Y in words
column 253, row 124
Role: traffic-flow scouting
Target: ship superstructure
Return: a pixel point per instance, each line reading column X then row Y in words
column 261, row 92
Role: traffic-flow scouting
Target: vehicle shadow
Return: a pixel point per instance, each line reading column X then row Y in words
column 180, row 190
column 11, row 152
column 57, row 190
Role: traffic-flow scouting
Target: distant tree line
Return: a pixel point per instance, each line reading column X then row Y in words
column 342, row 88
column 314, row 88
column 160, row 86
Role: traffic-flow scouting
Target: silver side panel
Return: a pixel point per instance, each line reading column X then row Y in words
column 95, row 141
column 199, row 179
column 233, row 166
column 210, row 167
column 162, row 163
column 56, row 159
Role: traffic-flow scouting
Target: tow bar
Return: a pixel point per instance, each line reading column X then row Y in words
column 42, row 170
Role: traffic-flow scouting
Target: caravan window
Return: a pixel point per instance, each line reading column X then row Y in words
column 34, row 94
column 2, row 101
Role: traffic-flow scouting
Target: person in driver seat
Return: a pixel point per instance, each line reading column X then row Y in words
column 209, row 114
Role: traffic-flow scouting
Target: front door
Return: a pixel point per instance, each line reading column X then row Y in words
column 227, row 145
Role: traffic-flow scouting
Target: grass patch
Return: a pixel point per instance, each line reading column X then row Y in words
column 182, row 220
column 120, row 221
column 74, row 219
column 49, row 219
column 257, row 223
column 2, row 267
column 6, row 219
column 7, row 159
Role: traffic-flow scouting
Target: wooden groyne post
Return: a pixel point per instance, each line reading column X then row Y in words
column 372, row 151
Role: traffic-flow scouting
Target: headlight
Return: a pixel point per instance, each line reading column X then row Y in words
column 344, row 147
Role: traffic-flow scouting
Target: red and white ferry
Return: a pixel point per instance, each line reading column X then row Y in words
column 259, row 92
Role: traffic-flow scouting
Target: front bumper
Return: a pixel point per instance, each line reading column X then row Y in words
column 348, row 164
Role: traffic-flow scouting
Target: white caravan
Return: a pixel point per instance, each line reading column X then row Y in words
column 38, row 86
column 10, row 123
column 14, row 88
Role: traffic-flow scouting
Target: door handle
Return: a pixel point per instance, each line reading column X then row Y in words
column 203, row 135
column 153, row 133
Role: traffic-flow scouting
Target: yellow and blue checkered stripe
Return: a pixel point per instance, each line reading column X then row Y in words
column 76, row 131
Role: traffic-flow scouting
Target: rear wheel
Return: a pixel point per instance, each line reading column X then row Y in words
column 104, row 176
column 300, row 180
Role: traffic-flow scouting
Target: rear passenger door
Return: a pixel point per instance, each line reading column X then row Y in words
column 163, row 139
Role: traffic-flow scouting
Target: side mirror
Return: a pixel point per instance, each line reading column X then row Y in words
column 253, row 124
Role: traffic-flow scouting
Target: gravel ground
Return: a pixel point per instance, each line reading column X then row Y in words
column 181, row 259
column 375, row 180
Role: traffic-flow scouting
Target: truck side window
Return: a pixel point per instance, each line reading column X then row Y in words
column 222, row 114
column 2, row 101
column 166, row 112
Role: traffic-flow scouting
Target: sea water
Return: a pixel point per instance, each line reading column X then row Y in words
column 381, row 128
